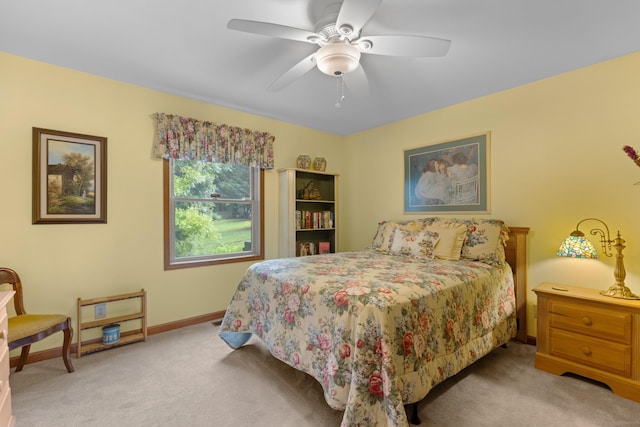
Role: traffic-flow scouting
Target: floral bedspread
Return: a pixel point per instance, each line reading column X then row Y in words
column 377, row 331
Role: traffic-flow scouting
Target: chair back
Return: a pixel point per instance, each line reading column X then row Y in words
column 9, row 276
column 466, row 191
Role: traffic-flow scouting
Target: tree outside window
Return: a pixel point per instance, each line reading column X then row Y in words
column 213, row 213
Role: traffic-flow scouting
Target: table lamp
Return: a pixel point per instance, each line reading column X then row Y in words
column 577, row 246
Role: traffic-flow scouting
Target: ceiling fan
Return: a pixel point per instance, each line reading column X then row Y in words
column 338, row 33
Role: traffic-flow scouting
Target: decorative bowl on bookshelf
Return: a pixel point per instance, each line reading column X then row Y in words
column 319, row 164
column 303, row 162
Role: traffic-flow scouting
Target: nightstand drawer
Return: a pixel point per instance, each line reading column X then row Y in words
column 5, row 390
column 604, row 355
column 5, row 407
column 4, row 368
column 610, row 325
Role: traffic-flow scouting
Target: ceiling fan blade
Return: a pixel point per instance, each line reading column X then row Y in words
column 404, row 45
column 294, row 73
column 273, row 30
column 357, row 82
column 355, row 14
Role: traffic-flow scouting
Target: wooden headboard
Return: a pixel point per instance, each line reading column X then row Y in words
column 516, row 254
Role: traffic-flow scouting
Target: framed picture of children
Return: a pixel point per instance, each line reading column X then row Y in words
column 450, row 176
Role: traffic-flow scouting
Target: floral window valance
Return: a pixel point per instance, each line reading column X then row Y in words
column 190, row 139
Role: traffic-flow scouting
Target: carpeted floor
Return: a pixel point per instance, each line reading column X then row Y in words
column 189, row 377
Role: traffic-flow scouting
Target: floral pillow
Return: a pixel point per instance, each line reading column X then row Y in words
column 384, row 236
column 485, row 238
column 382, row 239
column 417, row 244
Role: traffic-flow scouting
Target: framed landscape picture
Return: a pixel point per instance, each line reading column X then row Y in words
column 69, row 178
column 451, row 176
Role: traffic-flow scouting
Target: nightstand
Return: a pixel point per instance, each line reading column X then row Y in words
column 585, row 333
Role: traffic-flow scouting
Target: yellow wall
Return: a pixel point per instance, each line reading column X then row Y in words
column 59, row 263
column 555, row 158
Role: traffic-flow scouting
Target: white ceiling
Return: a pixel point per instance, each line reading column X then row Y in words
column 183, row 47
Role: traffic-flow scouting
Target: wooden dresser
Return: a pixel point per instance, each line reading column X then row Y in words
column 588, row 334
column 6, row 417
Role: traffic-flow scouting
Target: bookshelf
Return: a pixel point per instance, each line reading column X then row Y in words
column 308, row 212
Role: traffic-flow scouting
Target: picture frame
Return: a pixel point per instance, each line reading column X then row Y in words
column 448, row 177
column 69, row 178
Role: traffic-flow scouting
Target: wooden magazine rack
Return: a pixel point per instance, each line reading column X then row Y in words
column 128, row 337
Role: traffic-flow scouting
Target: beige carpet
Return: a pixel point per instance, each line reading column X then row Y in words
column 189, row 377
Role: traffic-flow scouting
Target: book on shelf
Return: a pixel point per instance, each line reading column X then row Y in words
column 324, row 247
column 305, row 248
column 306, row 220
column 327, row 219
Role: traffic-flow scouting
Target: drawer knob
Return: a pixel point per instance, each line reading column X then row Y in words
column 586, row 320
column 586, row 351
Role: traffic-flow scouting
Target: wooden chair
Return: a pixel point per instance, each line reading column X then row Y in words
column 25, row 329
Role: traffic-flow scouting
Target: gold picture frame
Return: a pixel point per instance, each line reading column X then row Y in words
column 69, row 178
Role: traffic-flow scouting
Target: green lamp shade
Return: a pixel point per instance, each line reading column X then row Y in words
column 577, row 247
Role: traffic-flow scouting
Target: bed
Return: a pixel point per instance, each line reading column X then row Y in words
column 379, row 328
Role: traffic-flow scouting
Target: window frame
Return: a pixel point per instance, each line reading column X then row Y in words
column 169, row 209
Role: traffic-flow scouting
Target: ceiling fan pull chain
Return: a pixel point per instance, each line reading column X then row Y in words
column 339, row 91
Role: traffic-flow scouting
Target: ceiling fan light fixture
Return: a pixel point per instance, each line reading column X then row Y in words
column 336, row 59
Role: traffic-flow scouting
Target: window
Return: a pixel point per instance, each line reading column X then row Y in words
column 213, row 213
